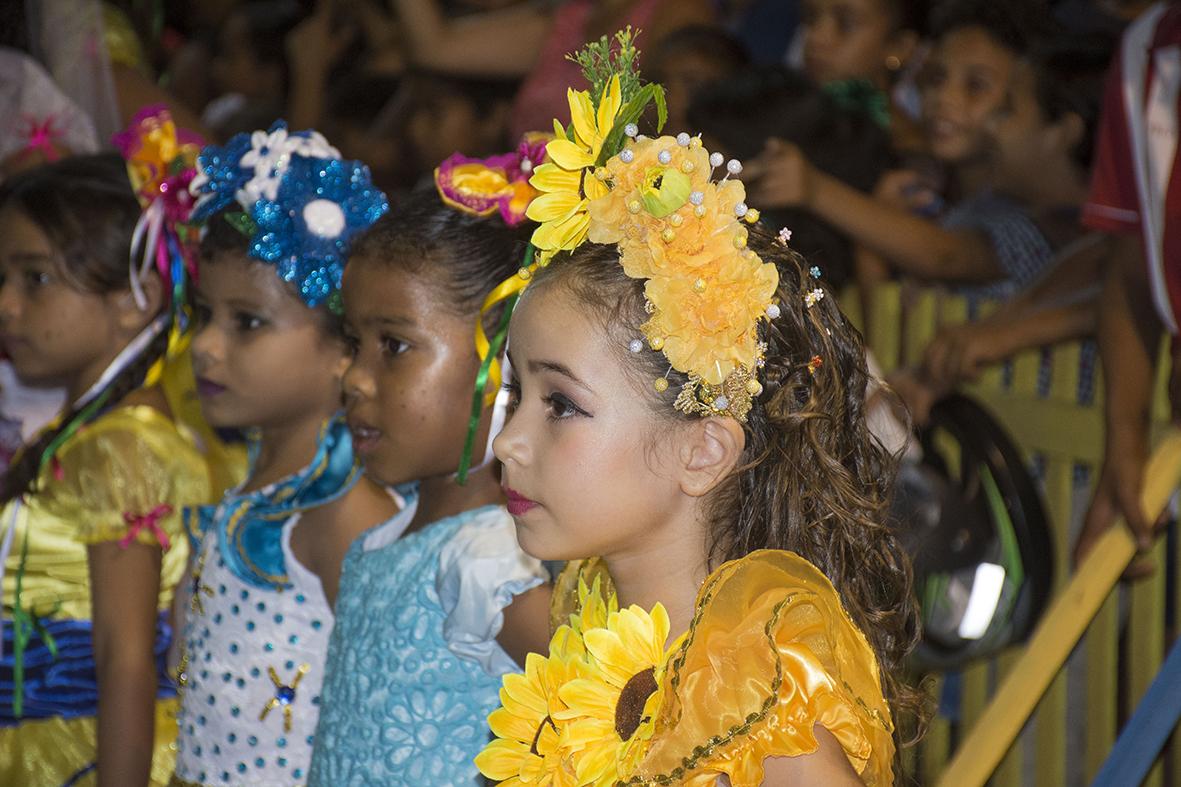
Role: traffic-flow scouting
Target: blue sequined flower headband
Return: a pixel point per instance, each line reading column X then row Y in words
column 301, row 203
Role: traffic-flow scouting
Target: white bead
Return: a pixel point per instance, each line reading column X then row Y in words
column 721, row 403
column 734, row 166
column 697, row 197
column 324, row 218
column 716, row 159
column 683, row 139
column 773, row 311
column 636, row 345
column 740, row 209
column 664, row 157
column 627, row 156
column 631, row 130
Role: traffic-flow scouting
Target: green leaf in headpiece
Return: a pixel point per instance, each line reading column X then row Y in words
column 631, row 113
column 242, row 223
column 603, row 59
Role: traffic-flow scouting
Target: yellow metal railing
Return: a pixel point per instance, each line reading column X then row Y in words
column 1067, row 737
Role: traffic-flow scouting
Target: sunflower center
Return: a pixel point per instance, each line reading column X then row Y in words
column 537, row 736
column 630, row 707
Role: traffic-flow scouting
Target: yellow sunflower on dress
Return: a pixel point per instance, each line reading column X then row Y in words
column 565, row 184
column 594, row 608
column 526, row 749
column 610, row 714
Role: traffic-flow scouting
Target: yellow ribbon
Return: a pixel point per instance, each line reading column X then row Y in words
column 506, row 289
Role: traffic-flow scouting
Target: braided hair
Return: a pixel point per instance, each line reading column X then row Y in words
column 85, row 207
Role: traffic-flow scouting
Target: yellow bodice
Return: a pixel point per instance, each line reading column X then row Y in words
column 770, row 653
column 129, row 461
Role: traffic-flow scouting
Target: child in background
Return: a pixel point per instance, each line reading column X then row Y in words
column 1032, row 159
column 91, row 539
column 693, row 58
column 279, row 212
column 737, row 117
column 429, row 623
column 987, row 241
column 859, row 49
column 432, row 115
column 688, row 428
column 250, row 71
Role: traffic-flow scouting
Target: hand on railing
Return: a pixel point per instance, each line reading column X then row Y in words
column 1118, row 494
column 960, row 353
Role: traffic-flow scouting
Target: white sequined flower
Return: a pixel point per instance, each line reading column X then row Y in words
column 269, row 156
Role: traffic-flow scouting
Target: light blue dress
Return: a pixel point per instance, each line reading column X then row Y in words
column 413, row 664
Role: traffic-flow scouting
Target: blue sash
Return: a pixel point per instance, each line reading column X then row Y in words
column 65, row 684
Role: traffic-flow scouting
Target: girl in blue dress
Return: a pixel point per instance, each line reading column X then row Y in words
column 279, row 210
column 427, row 623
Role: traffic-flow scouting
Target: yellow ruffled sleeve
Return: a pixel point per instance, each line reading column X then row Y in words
column 770, row 654
column 127, row 476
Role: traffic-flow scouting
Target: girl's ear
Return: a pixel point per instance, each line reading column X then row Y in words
column 131, row 318
column 346, row 360
column 710, row 450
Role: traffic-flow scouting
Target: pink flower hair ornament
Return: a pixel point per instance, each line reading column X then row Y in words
column 161, row 161
column 486, row 186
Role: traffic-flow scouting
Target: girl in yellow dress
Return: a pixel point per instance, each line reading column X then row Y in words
column 688, row 431
column 90, row 533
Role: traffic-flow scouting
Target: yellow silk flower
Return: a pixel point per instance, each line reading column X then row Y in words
column 563, row 184
column 526, row 748
column 620, row 216
column 593, row 610
column 584, row 714
column 709, row 324
column 611, row 713
column 708, row 290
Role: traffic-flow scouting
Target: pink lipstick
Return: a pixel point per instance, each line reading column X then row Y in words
column 518, row 504
column 207, row 389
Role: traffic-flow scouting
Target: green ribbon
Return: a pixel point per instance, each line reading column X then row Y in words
column 465, row 461
column 81, row 419
column 24, row 623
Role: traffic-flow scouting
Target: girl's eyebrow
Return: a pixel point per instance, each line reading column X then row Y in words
column 557, row 368
column 27, row 257
column 382, row 319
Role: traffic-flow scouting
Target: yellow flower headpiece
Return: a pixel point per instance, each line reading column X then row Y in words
column 677, row 228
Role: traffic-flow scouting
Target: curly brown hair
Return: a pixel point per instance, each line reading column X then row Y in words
column 812, row 479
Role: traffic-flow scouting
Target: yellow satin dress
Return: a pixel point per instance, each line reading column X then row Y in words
column 130, row 461
column 771, row 652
